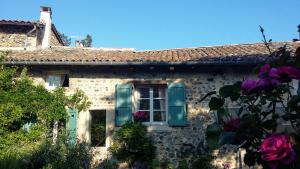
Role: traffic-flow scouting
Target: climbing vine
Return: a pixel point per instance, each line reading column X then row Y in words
column 27, row 111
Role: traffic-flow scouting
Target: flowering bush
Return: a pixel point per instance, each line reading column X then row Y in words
column 276, row 149
column 140, row 116
column 255, row 126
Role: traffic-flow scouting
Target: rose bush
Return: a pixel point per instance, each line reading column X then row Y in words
column 276, row 149
column 140, row 116
column 263, row 102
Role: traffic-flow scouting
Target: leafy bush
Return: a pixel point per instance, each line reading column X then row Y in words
column 51, row 156
column 27, row 113
column 254, row 126
column 131, row 144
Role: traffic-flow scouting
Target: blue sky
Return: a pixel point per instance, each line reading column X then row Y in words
column 162, row 24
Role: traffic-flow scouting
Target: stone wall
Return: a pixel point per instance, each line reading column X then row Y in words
column 173, row 143
column 15, row 36
column 54, row 41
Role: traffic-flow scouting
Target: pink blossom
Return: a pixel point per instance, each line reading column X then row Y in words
column 248, row 86
column 264, row 70
column 140, row 116
column 285, row 73
column 276, row 149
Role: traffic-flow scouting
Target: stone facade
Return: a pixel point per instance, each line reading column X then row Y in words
column 15, row 36
column 173, row 143
column 54, row 40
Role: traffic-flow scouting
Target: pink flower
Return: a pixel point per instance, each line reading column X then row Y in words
column 276, row 149
column 140, row 116
column 248, row 86
column 266, row 84
column 285, row 73
column 264, row 70
column 232, row 124
column 226, row 165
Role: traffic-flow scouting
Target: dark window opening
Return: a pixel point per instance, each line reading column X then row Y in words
column 98, row 128
column 65, row 80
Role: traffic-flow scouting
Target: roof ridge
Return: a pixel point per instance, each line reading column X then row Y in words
column 212, row 46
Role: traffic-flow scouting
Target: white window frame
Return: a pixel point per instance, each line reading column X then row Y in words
column 151, row 110
column 48, row 84
column 59, row 73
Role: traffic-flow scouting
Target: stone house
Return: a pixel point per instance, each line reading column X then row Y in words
column 167, row 84
column 29, row 34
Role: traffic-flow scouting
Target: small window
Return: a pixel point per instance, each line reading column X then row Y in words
column 152, row 100
column 57, row 80
column 98, row 128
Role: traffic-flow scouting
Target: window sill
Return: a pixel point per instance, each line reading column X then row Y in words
column 158, row 127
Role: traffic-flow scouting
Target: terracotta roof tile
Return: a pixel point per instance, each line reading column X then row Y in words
column 233, row 54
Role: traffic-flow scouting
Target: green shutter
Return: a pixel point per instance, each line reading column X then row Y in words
column 177, row 115
column 72, row 126
column 28, row 124
column 123, row 103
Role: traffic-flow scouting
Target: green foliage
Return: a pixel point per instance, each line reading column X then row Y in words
column 131, row 144
column 78, row 101
column 259, row 101
column 165, row 164
column 51, row 156
column 108, row 164
column 87, row 42
column 24, row 104
column 66, row 39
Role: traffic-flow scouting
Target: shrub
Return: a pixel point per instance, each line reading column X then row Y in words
column 131, row 144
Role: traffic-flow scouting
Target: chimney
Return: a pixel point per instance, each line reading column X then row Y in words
column 299, row 30
column 45, row 18
column 78, row 44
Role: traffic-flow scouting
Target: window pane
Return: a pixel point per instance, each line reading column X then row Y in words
column 159, row 92
column 54, row 80
column 159, row 104
column 144, row 104
column 144, row 92
column 98, row 131
column 159, row 116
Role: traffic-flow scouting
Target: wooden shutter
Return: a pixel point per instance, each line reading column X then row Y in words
column 123, row 103
column 177, row 115
column 72, row 126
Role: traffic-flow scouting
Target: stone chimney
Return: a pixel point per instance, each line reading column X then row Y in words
column 45, row 18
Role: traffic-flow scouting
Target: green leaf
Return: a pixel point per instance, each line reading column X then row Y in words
column 226, row 91
column 212, row 132
column 207, row 95
column 213, row 129
column 215, row 103
column 232, row 91
column 221, row 113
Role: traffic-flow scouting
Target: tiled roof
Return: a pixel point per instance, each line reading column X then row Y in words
column 227, row 54
column 31, row 23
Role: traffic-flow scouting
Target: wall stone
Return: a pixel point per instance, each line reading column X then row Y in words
column 15, row 36
column 54, row 40
column 172, row 143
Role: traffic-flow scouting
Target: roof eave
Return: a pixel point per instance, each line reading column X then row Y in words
column 203, row 63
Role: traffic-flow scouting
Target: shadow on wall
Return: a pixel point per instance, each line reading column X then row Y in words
column 176, row 147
